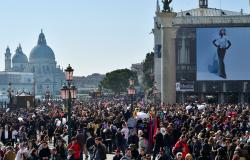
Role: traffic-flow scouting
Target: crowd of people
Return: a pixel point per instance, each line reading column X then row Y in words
column 129, row 132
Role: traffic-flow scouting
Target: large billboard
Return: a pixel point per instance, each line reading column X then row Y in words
column 223, row 53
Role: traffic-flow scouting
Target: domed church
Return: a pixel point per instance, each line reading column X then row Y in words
column 41, row 62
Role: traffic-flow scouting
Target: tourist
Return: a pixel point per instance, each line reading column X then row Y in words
column 128, row 155
column 181, row 146
column 75, row 147
column 159, row 143
column 100, row 150
column 44, row 151
column 9, row 154
column 117, row 155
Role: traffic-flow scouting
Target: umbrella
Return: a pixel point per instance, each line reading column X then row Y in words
column 202, row 106
column 20, row 118
column 142, row 115
column 58, row 123
column 64, row 120
column 188, row 107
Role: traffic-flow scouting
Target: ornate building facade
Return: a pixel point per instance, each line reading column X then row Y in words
column 41, row 62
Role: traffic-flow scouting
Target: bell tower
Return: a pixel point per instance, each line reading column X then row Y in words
column 7, row 59
column 203, row 3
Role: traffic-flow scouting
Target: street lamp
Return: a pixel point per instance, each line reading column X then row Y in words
column 155, row 92
column 131, row 90
column 68, row 92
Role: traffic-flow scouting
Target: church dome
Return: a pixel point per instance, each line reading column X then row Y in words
column 19, row 56
column 41, row 52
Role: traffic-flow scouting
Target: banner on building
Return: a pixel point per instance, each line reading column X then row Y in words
column 185, row 86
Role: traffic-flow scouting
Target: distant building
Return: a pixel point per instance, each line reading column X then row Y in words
column 89, row 83
column 41, row 67
column 19, row 81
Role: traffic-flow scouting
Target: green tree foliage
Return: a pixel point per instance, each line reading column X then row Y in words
column 117, row 80
column 148, row 71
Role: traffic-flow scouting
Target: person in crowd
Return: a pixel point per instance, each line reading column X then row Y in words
column 142, row 153
column 189, row 157
column 22, row 153
column 33, row 155
column 133, row 138
column 9, row 154
column 158, row 143
column 61, row 149
column 90, row 144
column 125, row 132
column 100, row 152
column 178, row 156
column 162, row 155
column 134, row 151
column 128, row 155
column 54, row 154
column 6, row 135
column 75, row 147
column 14, row 134
column 44, row 152
column 181, row 146
column 117, row 155
column 81, row 140
column 143, row 142
column 207, row 148
column 120, row 141
column 107, row 137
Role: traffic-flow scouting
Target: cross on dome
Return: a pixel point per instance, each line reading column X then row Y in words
column 41, row 39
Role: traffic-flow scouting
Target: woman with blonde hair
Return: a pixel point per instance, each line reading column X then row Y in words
column 188, row 157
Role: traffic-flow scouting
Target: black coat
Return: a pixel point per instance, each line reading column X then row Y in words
column 3, row 139
column 45, row 152
column 159, row 140
column 101, row 150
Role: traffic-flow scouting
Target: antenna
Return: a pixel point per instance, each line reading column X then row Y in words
column 249, row 2
column 220, row 4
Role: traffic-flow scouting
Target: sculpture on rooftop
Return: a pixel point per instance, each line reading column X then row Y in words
column 166, row 4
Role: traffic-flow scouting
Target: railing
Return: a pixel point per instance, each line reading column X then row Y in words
column 195, row 20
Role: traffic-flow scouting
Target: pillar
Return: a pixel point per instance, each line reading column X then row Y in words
column 168, row 60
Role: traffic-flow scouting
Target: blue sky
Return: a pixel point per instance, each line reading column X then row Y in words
column 94, row 36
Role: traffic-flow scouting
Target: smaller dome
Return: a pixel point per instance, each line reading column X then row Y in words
column 19, row 56
column 7, row 53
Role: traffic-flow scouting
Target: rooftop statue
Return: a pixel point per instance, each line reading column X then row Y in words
column 166, row 4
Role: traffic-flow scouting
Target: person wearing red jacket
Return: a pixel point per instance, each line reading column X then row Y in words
column 181, row 146
column 75, row 147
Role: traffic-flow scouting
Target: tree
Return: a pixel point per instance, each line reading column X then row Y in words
column 117, row 80
column 148, row 71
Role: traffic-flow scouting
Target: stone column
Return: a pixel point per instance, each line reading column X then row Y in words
column 168, row 86
column 158, row 53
